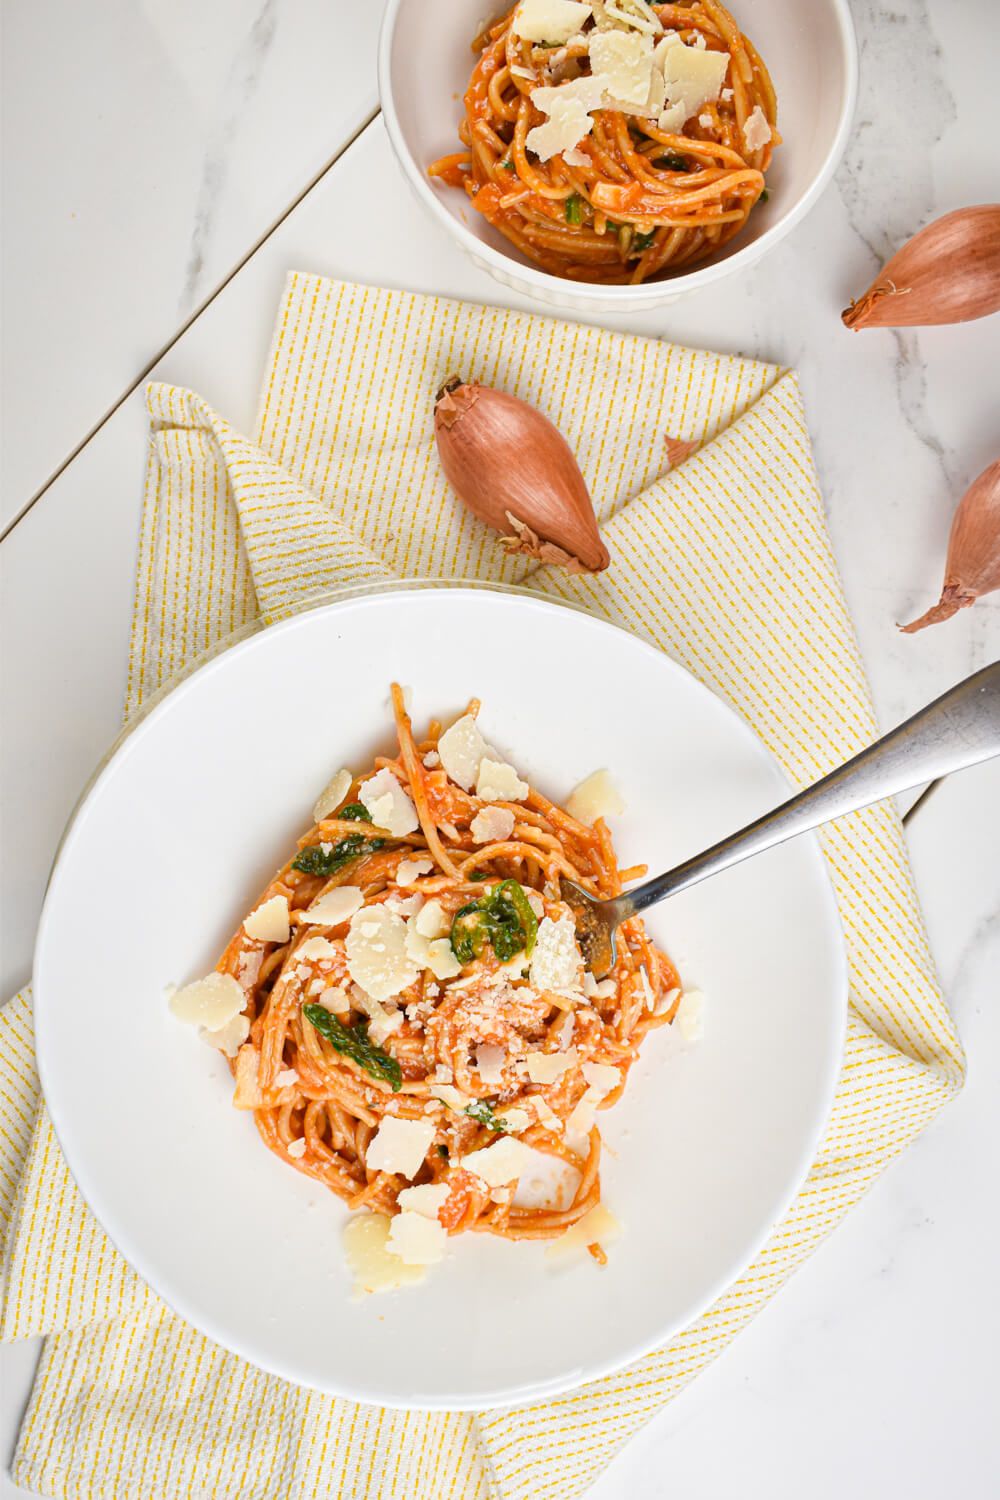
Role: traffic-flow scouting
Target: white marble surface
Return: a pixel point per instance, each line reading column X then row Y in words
column 146, row 148
column 874, row 1372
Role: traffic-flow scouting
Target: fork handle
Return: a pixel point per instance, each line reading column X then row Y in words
column 958, row 729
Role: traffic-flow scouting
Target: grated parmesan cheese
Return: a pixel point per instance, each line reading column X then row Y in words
column 334, row 907
column 390, row 806
column 432, row 760
column 332, row 795
column 269, row 922
column 492, row 825
column 399, row 1146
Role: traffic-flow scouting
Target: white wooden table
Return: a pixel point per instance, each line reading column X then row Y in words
column 164, row 166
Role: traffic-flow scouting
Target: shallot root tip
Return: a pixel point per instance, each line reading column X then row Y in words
column 953, row 598
column 527, row 543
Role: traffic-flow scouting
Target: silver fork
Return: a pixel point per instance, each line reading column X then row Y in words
column 958, row 729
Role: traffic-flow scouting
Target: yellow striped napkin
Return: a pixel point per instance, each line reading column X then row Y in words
column 723, row 562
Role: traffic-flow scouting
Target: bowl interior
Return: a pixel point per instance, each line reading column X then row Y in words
column 803, row 46
column 180, row 832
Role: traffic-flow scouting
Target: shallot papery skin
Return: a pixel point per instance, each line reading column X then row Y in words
column 972, row 567
column 947, row 273
column 514, row 470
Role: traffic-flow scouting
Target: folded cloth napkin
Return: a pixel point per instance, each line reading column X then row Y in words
column 723, row 562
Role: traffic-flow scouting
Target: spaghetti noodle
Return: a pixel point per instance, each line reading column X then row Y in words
column 430, row 976
column 631, row 200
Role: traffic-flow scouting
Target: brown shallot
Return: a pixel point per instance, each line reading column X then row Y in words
column 948, row 273
column 516, row 472
column 973, row 563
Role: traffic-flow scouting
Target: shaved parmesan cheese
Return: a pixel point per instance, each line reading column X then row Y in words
column 601, row 1080
column 377, row 959
column 515, row 1120
column 756, row 131
column 492, row 825
column 390, row 806
column 549, row 20
column 567, row 108
column 400, row 1146
column 452, row 1097
column 556, row 961
column 427, row 1200
column 436, row 953
column 408, row 870
column 635, row 13
column 210, row 1002
column 623, row 60
column 297, row 1148
column 383, row 1022
column 546, row 1067
column 595, row 797
column 536, row 903
column 404, row 906
column 286, row 1079
column 316, row 948
column 462, row 749
column 689, row 1020
column 431, row 921
column 692, row 78
column 335, row 906
column 489, row 1063
column 247, row 1094
column 332, row 795
column 417, row 1240
column 269, row 923
column 230, row 1037
column 374, row 1268
column 335, row 999
column 575, row 158
column 547, row 1116
column 598, row 1227
column 498, row 1164
column 499, row 782
column 516, row 966
column 602, row 1077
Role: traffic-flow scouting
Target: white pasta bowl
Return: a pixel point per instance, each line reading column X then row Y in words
column 425, row 60
column 183, row 827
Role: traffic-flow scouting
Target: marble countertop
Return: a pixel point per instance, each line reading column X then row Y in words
column 163, row 168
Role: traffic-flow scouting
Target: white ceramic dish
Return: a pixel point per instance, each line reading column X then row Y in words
column 424, row 66
column 181, row 829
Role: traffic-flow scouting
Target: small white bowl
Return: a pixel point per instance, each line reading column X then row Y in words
column 425, row 60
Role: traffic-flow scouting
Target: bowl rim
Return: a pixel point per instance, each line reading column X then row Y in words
column 121, row 1236
column 543, row 283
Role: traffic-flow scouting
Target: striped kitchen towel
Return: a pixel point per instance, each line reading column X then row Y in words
column 723, row 561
